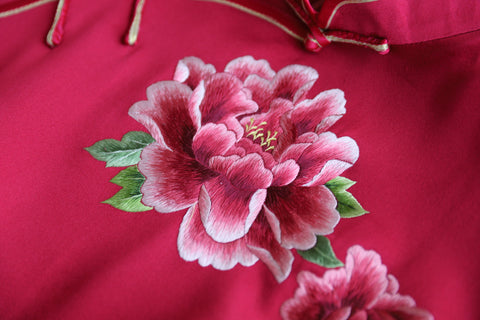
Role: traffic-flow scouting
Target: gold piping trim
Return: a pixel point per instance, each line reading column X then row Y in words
column 376, row 47
column 58, row 13
column 26, row 7
column 316, row 41
column 296, row 13
column 258, row 15
column 135, row 27
column 341, row 4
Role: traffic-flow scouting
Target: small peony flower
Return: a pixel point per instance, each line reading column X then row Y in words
column 246, row 155
column 359, row 291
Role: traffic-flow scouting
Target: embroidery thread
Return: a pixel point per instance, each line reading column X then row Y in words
column 360, row 290
column 246, row 157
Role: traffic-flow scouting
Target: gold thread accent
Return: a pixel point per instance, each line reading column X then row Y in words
column 257, row 133
column 316, row 41
column 258, row 15
column 266, row 142
column 26, row 7
column 376, row 47
column 341, row 4
column 58, row 13
column 248, row 126
column 135, row 27
column 296, row 13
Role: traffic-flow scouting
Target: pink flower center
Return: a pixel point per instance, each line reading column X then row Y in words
column 257, row 134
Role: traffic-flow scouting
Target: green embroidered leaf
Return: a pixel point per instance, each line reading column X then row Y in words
column 129, row 197
column 121, row 153
column 347, row 205
column 322, row 254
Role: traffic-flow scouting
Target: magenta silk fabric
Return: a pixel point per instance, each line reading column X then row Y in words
column 410, row 21
column 413, row 113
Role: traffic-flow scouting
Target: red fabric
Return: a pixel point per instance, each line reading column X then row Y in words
column 410, row 21
column 414, row 114
column 401, row 22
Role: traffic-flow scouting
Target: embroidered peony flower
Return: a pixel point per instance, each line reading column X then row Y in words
column 246, row 155
column 361, row 290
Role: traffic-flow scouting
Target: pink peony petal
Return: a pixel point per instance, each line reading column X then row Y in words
column 367, row 277
column 303, row 213
column 273, row 222
column 337, row 280
column 284, row 173
column 229, row 120
column 173, row 180
column 212, row 140
column 340, row 314
column 244, row 66
column 227, row 212
column 268, row 121
column 293, row 82
column 356, row 291
column 301, row 308
column 249, row 173
column 409, row 313
column 399, row 307
column 194, row 243
column 194, row 104
column 331, row 169
column 412, row 314
column 235, row 126
column 278, row 107
column 261, row 242
column 251, row 147
column 362, row 315
column 393, row 285
column 221, row 164
column 191, row 70
column 165, row 115
column 224, row 97
column 315, row 299
column 319, row 114
column 287, row 136
column 291, row 146
column 261, row 91
column 326, row 159
column 294, row 151
column 309, row 137
column 321, row 289
column 393, row 301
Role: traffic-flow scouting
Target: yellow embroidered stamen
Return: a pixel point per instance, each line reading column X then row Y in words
column 257, row 133
column 248, row 125
column 268, row 141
